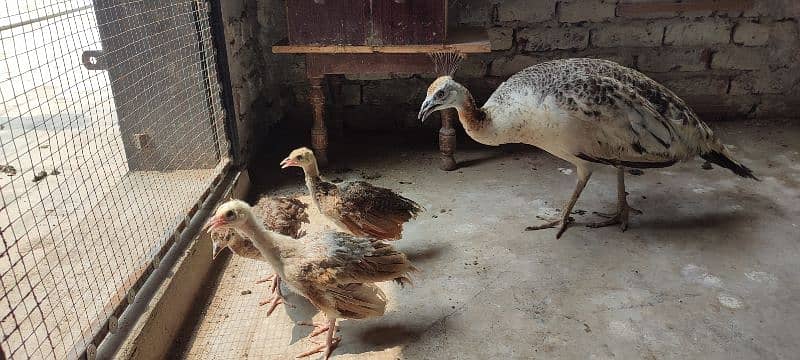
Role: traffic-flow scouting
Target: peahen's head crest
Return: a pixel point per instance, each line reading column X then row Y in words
column 446, row 62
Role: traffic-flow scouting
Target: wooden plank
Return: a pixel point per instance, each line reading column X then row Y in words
column 322, row 64
column 328, row 22
column 465, row 41
column 408, row 22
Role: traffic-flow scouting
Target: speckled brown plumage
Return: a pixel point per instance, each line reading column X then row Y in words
column 335, row 271
column 338, row 271
column 364, row 209
column 359, row 208
column 283, row 215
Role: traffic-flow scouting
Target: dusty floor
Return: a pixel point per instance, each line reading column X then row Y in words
column 710, row 270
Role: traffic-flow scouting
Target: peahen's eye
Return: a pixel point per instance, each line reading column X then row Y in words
column 230, row 215
column 440, row 94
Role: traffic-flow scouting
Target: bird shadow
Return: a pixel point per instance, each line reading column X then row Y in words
column 388, row 335
column 301, row 311
column 380, row 336
column 429, row 253
column 693, row 222
column 477, row 161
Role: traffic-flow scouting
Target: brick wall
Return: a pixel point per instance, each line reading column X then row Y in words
column 727, row 58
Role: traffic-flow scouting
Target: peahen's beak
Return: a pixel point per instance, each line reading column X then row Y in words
column 427, row 108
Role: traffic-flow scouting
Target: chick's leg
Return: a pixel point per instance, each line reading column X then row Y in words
column 583, row 178
column 268, row 278
column 330, row 344
column 276, row 298
column 623, row 209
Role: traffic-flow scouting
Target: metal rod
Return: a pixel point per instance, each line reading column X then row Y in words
column 204, row 64
column 43, row 18
column 223, row 72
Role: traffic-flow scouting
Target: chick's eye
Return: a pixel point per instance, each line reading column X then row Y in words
column 299, row 157
column 230, row 215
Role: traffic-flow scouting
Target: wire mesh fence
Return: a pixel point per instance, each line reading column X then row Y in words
column 111, row 131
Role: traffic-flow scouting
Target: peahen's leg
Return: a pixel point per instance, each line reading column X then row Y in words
column 623, row 209
column 564, row 220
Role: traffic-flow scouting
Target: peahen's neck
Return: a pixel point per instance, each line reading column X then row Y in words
column 475, row 120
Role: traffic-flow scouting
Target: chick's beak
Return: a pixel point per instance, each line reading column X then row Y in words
column 213, row 223
column 426, row 109
column 288, row 162
column 215, row 250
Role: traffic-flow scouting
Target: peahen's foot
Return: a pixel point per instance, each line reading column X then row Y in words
column 560, row 223
column 621, row 217
column 632, row 210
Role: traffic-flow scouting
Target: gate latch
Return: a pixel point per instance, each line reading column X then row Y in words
column 94, row 60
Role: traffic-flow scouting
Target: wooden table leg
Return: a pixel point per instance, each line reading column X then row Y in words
column 447, row 140
column 337, row 119
column 319, row 134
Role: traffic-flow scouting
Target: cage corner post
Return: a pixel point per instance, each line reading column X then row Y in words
column 229, row 99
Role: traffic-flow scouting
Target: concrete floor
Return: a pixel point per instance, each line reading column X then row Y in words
column 710, row 270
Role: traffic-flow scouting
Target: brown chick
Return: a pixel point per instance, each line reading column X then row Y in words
column 358, row 208
column 336, row 272
column 281, row 214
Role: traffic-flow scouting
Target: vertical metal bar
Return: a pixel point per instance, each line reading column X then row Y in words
column 196, row 8
column 224, row 75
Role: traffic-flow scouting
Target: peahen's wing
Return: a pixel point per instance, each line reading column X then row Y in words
column 632, row 127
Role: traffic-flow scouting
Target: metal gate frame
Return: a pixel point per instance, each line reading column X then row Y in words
column 221, row 186
column 182, row 234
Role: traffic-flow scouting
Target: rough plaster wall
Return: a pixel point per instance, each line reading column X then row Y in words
column 728, row 59
column 251, row 26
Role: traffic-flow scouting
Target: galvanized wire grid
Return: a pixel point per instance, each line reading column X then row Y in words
column 98, row 167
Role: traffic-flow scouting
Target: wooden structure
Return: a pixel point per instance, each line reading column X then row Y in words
column 373, row 37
